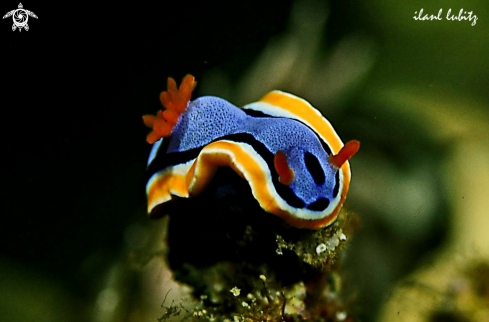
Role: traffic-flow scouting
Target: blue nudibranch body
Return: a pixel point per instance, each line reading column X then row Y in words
column 292, row 158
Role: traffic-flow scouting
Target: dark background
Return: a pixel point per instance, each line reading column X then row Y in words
column 74, row 88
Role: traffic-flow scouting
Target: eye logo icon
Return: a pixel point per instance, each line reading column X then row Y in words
column 20, row 17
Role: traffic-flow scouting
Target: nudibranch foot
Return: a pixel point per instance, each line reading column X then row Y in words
column 175, row 100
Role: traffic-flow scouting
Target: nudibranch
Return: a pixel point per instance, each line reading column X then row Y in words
column 296, row 165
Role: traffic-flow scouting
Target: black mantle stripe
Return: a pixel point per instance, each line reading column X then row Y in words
column 164, row 160
column 256, row 113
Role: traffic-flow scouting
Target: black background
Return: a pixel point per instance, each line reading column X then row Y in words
column 74, row 89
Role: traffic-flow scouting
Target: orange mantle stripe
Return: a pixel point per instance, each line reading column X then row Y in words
column 232, row 154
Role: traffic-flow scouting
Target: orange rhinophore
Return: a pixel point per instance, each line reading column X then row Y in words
column 286, row 174
column 346, row 152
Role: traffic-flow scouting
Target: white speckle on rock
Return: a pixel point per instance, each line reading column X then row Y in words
column 321, row 248
column 333, row 243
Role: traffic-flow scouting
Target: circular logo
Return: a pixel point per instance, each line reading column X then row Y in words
column 20, row 18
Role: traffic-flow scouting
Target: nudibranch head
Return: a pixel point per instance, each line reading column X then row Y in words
column 293, row 160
